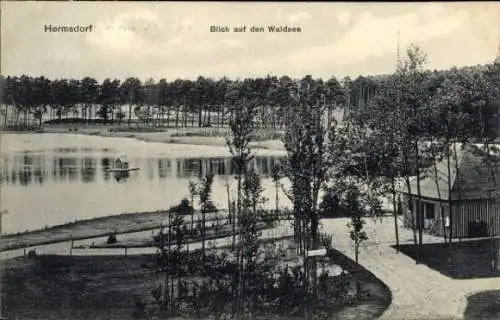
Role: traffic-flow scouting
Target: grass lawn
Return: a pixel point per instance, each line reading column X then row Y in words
column 459, row 260
column 62, row 287
column 483, row 305
column 378, row 296
column 108, row 287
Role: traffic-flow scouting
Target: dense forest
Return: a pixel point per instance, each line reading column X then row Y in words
column 207, row 102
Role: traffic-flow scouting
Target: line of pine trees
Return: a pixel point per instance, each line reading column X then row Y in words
column 203, row 102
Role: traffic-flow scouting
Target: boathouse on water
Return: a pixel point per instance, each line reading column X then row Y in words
column 121, row 162
column 472, row 197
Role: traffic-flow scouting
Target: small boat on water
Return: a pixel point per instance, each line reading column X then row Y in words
column 121, row 170
column 121, row 164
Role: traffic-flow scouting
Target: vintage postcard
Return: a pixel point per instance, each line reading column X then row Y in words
column 249, row 160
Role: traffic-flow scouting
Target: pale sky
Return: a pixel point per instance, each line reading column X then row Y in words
column 172, row 40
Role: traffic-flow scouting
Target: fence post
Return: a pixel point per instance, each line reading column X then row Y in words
column 71, row 246
column 125, row 251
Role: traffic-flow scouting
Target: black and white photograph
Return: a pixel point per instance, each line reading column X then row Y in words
column 249, row 160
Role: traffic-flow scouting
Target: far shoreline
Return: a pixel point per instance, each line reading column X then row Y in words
column 186, row 135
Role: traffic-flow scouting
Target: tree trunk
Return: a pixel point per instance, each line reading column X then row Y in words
column 6, row 114
column 358, row 285
column 159, row 117
column 184, row 115
column 192, row 213
column 277, row 200
column 232, row 216
column 419, row 205
column 177, row 116
column 450, row 211
column 413, row 210
column 170, row 263
column 457, row 175
column 208, row 119
column 239, row 254
column 89, row 113
column 203, row 235
column 314, row 230
column 129, row 114
column 200, row 115
column 168, row 117
column 395, row 208
column 218, row 116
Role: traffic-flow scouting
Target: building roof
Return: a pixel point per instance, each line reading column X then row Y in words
column 473, row 180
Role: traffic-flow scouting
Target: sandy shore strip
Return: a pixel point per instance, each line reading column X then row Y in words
column 187, row 135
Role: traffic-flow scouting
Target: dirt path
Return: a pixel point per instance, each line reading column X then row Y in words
column 419, row 292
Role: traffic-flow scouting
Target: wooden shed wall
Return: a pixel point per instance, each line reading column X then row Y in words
column 463, row 212
column 467, row 211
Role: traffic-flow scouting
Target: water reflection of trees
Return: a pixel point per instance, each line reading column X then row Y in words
column 66, row 168
column 88, row 169
column 188, row 167
column 25, row 169
column 164, row 167
column 28, row 168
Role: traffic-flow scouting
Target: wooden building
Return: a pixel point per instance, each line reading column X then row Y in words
column 471, row 198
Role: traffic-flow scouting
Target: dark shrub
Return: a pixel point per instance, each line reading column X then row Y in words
column 32, row 253
column 111, row 239
column 210, row 207
column 182, row 208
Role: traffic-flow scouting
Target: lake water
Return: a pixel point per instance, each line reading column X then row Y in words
column 50, row 179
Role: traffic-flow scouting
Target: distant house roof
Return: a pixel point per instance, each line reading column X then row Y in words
column 473, row 180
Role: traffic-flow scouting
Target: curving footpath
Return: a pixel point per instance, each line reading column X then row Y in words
column 418, row 292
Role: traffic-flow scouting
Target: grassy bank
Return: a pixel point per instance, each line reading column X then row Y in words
column 211, row 233
column 91, row 228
